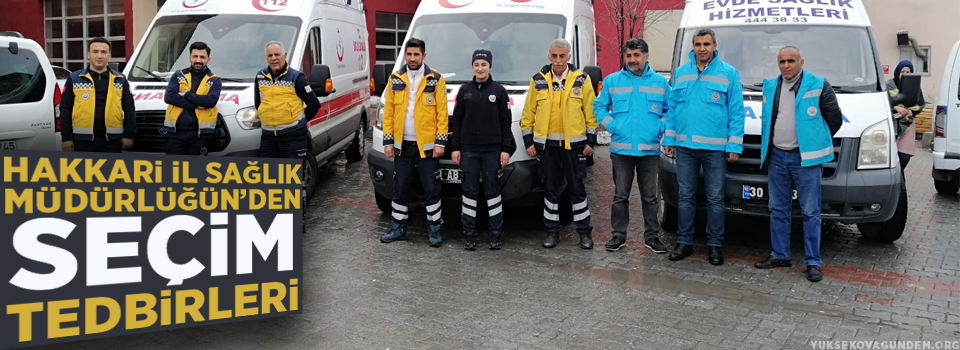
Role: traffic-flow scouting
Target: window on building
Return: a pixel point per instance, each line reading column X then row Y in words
column 70, row 24
column 391, row 30
column 919, row 65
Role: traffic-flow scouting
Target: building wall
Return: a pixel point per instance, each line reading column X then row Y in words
column 608, row 57
column 24, row 16
column 391, row 6
column 931, row 22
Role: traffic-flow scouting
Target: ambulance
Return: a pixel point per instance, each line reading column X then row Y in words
column 324, row 39
column 863, row 185
column 946, row 141
column 518, row 33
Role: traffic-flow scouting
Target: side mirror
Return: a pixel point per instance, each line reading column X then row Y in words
column 909, row 94
column 381, row 74
column 596, row 77
column 320, row 81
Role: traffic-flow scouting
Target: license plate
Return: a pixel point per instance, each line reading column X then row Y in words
column 450, row 176
column 8, row 145
column 759, row 192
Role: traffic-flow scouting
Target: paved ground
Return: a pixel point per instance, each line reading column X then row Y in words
column 361, row 294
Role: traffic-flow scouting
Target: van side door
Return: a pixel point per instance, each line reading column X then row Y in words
column 319, row 138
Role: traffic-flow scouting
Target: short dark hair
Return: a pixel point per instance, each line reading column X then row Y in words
column 200, row 46
column 636, row 44
column 100, row 40
column 707, row 31
column 414, row 42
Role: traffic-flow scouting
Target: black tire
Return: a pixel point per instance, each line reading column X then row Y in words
column 668, row 217
column 383, row 202
column 890, row 230
column 947, row 187
column 310, row 175
column 355, row 151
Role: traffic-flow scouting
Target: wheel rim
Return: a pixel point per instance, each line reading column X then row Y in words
column 361, row 138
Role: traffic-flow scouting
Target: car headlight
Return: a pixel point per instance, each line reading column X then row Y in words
column 875, row 146
column 379, row 124
column 248, row 118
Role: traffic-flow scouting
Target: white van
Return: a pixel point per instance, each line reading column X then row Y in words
column 863, row 184
column 518, row 33
column 946, row 141
column 29, row 96
column 323, row 39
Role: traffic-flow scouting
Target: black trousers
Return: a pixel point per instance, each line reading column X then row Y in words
column 408, row 165
column 99, row 145
column 556, row 165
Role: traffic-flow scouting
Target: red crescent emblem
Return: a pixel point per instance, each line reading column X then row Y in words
column 447, row 4
column 200, row 3
column 258, row 6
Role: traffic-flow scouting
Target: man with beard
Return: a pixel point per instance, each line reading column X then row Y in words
column 631, row 107
column 415, row 111
column 559, row 128
column 192, row 96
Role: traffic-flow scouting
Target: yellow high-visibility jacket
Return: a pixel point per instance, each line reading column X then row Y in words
column 576, row 106
column 430, row 110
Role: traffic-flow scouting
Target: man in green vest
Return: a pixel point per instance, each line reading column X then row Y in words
column 192, row 96
column 97, row 113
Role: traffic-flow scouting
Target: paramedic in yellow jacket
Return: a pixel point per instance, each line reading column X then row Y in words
column 97, row 113
column 191, row 96
column 415, row 129
column 279, row 96
column 559, row 128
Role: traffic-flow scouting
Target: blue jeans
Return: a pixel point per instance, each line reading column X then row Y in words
column 477, row 166
column 714, row 163
column 785, row 174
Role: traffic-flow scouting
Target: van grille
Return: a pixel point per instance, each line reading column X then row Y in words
column 149, row 139
column 749, row 162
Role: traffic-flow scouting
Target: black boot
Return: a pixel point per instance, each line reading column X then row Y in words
column 715, row 256
column 496, row 240
column 551, row 240
column 471, row 243
column 680, row 252
column 616, row 242
column 586, row 241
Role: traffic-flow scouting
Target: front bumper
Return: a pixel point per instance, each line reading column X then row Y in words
column 520, row 182
column 846, row 195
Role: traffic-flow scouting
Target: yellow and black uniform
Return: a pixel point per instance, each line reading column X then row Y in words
column 97, row 111
column 279, row 98
column 415, row 115
column 558, row 121
column 429, row 113
column 191, row 119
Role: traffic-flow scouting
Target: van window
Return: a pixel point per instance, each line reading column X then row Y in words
column 519, row 43
column 21, row 77
column 311, row 52
column 236, row 44
column 842, row 55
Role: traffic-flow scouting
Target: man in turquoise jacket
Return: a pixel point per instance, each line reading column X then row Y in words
column 800, row 117
column 631, row 108
column 705, row 129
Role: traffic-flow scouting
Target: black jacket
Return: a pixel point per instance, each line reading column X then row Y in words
column 481, row 119
column 829, row 108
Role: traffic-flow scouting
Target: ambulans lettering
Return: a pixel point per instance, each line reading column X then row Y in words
column 750, row 114
column 150, row 96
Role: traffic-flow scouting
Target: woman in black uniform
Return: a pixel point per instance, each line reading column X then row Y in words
column 482, row 143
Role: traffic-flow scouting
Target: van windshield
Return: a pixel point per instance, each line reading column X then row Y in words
column 236, row 44
column 518, row 42
column 842, row 55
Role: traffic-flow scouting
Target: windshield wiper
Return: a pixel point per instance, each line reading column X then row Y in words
column 508, row 82
column 758, row 87
column 461, row 82
column 233, row 80
column 150, row 73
